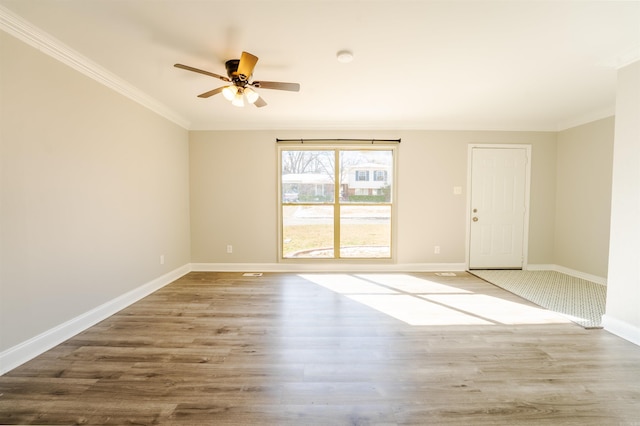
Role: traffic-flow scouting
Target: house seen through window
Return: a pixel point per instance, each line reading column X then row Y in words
column 336, row 202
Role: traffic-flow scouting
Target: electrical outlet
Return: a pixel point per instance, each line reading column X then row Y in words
column 436, row 249
column 229, row 248
column 162, row 259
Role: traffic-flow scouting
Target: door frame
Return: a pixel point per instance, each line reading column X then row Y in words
column 527, row 198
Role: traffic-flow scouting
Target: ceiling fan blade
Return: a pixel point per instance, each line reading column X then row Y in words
column 260, row 103
column 247, row 64
column 211, row 92
column 291, row 87
column 188, row 68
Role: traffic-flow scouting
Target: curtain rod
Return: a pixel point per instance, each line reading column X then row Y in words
column 338, row 140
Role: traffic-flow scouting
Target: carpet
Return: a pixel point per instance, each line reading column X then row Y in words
column 581, row 301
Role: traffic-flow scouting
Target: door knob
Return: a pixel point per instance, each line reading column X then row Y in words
column 475, row 219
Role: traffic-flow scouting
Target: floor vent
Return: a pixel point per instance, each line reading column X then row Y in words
column 446, row 274
column 252, row 274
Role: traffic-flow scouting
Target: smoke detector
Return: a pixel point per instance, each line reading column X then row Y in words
column 344, row 56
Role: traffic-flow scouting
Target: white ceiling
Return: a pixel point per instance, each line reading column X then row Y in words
column 503, row 65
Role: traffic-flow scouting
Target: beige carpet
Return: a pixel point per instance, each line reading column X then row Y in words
column 581, row 301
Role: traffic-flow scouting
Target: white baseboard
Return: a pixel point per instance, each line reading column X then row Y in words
column 621, row 329
column 326, row 267
column 25, row 351
column 563, row 270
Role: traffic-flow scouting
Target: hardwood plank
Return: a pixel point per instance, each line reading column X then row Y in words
column 301, row 349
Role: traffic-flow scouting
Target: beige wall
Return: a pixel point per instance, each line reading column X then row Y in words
column 94, row 188
column 623, row 290
column 233, row 193
column 583, row 197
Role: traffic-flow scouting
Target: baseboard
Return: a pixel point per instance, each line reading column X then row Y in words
column 563, row 270
column 621, row 329
column 25, row 351
column 326, row 267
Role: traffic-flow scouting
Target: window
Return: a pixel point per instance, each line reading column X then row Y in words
column 328, row 206
column 379, row 175
column 362, row 175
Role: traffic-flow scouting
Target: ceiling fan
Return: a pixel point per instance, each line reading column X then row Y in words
column 239, row 73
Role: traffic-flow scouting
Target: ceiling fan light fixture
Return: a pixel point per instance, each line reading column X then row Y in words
column 252, row 95
column 229, row 92
column 238, row 99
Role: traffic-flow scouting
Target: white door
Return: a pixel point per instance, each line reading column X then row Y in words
column 498, row 205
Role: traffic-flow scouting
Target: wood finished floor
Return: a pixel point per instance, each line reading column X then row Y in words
column 316, row 349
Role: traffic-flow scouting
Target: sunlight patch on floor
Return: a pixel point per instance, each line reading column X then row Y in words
column 418, row 301
column 410, row 284
column 347, row 284
column 498, row 310
column 416, row 311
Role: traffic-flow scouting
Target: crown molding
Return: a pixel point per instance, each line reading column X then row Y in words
column 49, row 45
column 627, row 58
column 587, row 118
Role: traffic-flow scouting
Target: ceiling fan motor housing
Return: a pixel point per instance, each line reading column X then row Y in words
column 232, row 70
